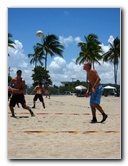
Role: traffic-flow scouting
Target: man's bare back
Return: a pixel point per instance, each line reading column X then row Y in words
column 93, row 78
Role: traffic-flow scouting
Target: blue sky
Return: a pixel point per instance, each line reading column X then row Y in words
column 70, row 25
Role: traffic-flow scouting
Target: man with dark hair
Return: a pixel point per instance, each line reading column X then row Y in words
column 39, row 92
column 96, row 90
column 18, row 93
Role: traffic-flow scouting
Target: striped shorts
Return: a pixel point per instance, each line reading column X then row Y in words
column 96, row 97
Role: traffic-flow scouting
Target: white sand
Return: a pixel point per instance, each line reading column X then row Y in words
column 63, row 130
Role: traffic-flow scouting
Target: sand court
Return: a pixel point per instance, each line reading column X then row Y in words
column 63, row 130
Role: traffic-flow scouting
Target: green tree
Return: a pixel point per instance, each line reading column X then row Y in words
column 113, row 55
column 90, row 50
column 37, row 56
column 9, row 78
column 40, row 75
column 50, row 45
column 10, row 42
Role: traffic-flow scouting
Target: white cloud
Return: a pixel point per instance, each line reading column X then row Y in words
column 111, row 39
column 77, row 40
column 58, row 65
column 106, row 48
column 18, row 60
column 66, row 41
column 71, row 70
column 24, row 64
column 65, row 71
column 106, row 72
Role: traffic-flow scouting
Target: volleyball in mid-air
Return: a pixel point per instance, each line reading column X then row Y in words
column 40, row 34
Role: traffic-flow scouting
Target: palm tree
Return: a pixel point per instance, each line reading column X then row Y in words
column 90, row 51
column 113, row 55
column 37, row 56
column 10, row 42
column 50, row 45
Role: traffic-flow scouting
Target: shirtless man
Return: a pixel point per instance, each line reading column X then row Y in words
column 39, row 92
column 95, row 89
column 18, row 93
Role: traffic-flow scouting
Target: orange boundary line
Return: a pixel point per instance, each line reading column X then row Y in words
column 59, row 113
column 43, row 113
column 67, row 131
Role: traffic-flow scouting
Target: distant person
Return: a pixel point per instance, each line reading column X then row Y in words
column 17, row 87
column 48, row 92
column 39, row 95
column 96, row 90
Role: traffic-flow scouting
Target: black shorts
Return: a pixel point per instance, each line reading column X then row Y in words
column 38, row 96
column 17, row 98
column 9, row 94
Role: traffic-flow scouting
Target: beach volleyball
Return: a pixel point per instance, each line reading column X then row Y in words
column 40, row 34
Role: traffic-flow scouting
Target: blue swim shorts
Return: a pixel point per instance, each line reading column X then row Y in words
column 96, row 97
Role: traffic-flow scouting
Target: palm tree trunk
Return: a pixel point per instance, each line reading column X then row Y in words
column 46, row 61
column 45, row 69
column 115, row 77
column 93, row 65
column 115, row 74
column 35, row 63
